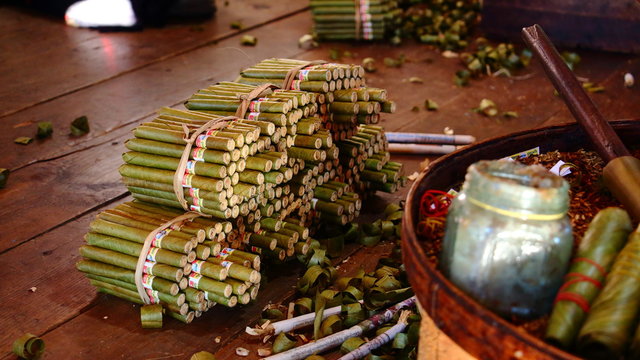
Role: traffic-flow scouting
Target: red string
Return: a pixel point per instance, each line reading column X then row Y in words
column 587, row 260
column 580, row 278
column 575, row 298
column 434, row 203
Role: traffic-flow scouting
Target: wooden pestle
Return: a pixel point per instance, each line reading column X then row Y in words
column 622, row 172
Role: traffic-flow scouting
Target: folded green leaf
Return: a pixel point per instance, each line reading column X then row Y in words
column 4, row 176
column 331, row 325
column 248, row 40
column 45, row 129
column 283, row 342
column 23, row 140
column 28, row 346
column 351, row 344
column 202, row 355
column 80, row 126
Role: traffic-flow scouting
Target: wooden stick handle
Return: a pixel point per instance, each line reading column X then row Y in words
column 604, row 138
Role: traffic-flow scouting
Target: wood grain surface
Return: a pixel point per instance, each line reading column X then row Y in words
column 55, row 73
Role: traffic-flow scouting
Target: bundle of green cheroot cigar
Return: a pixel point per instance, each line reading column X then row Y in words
column 234, row 173
column 342, row 112
column 259, row 163
column 186, row 270
column 354, row 19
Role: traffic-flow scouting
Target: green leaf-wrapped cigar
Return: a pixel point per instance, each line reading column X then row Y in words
column 177, row 299
column 605, row 236
column 117, row 217
column 124, row 211
column 614, row 314
column 110, row 257
column 166, row 214
column 228, row 301
column 204, row 283
column 166, row 177
column 169, row 163
column 168, row 242
column 202, row 202
column 238, row 287
column 133, row 249
column 117, row 273
column 151, row 131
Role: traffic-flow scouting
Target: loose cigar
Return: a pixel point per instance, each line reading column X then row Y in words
column 421, row 149
column 425, row 138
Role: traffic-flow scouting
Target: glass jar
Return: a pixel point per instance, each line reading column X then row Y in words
column 508, row 238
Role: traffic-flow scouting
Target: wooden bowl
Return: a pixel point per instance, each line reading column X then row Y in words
column 476, row 329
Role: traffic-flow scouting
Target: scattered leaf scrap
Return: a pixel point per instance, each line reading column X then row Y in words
column 203, row 355
column 369, row 64
column 307, row 42
column 628, row 80
column 416, row 80
column 240, row 351
column 487, row 108
column 4, row 176
column 264, row 352
column 334, row 54
column 430, row 105
column 80, row 126
column 248, row 40
column 237, row 25
column 23, row 140
column 45, row 129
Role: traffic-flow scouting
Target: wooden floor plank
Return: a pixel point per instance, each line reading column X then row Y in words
column 50, row 200
column 40, row 287
column 84, row 57
column 367, row 258
column 617, row 102
column 86, row 178
column 128, row 98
